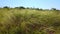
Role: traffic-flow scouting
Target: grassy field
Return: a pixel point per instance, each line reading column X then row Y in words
column 28, row 21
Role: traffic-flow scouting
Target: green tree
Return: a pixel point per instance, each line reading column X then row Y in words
column 6, row 7
column 53, row 8
column 41, row 9
column 22, row 7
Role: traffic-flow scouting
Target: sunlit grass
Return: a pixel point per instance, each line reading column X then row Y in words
column 27, row 21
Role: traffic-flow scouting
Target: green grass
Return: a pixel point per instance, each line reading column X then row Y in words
column 28, row 21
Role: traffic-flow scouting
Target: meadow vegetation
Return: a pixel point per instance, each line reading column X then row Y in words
column 20, row 20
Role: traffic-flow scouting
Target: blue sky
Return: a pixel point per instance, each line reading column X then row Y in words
column 45, row 4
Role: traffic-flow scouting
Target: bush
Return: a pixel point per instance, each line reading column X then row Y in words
column 6, row 7
column 53, row 8
column 16, row 7
column 22, row 7
column 37, row 8
column 40, row 9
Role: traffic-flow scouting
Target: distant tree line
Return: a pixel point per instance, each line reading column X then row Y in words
column 21, row 7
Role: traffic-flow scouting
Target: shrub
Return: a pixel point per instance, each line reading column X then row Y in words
column 53, row 8
column 22, row 7
column 40, row 9
column 5, row 7
column 37, row 8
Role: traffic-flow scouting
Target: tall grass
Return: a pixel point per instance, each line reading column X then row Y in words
column 27, row 21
